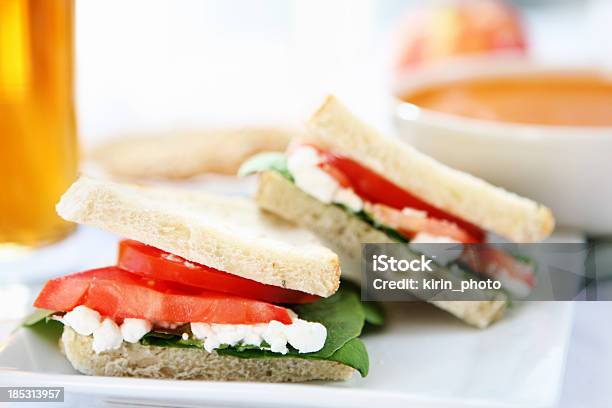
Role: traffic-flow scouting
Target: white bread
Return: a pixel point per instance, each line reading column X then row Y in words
column 491, row 208
column 344, row 232
column 136, row 360
column 229, row 234
column 183, row 154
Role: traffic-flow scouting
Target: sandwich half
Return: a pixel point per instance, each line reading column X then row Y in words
column 351, row 185
column 205, row 287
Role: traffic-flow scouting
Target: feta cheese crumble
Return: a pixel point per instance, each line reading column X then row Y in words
column 303, row 164
column 443, row 254
column 107, row 337
column 132, row 330
column 82, row 319
column 425, row 238
column 413, row 212
column 305, row 337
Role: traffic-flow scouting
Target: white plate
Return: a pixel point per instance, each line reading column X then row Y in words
column 424, row 357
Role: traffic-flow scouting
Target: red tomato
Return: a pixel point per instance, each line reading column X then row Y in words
column 440, row 228
column 154, row 263
column 376, row 189
column 410, row 225
column 497, row 264
column 344, row 181
column 120, row 294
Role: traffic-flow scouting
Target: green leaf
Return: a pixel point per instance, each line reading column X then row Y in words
column 374, row 313
column 342, row 315
column 47, row 329
column 353, row 354
column 152, row 339
column 36, row 316
column 266, row 161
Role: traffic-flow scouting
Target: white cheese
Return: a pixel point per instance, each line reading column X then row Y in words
column 347, row 197
column 202, row 330
column 167, row 325
column 211, row 343
column 276, row 337
column 132, row 330
column 306, row 337
column 317, row 183
column 301, row 157
column 303, row 164
column 107, row 337
column 252, row 339
column 425, row 238
column 442, row 254
column 413, row 212
column 230, row 334
column 82, row 319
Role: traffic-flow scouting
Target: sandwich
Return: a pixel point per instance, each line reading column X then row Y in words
column 205, row 287
column 350, row 185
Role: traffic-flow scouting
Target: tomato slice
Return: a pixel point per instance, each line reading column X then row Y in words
column 376, row 189
column 409, row 225
column 151, row 262
column 343, row 180
column 119, row 294
column 516, row 276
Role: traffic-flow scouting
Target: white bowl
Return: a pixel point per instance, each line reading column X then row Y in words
column 566, row 168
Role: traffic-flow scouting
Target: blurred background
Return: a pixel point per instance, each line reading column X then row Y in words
column 160, row 63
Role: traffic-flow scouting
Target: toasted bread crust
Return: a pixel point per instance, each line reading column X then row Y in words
column 136, row 360
column 229, row 234
column 491, row 208
column 346, row 232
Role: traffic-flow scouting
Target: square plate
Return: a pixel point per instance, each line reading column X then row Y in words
column 423, row 357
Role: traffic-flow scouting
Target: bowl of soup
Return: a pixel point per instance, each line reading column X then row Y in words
column 541, row 131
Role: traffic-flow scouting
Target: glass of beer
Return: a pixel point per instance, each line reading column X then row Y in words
column 38, row 145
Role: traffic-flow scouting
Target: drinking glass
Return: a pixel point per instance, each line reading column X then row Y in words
column 38, row 143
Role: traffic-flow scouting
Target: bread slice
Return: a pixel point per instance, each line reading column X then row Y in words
column 344, row 232
column 229, row 234
column 184, row 154
column 136, row 360
column 491, row 208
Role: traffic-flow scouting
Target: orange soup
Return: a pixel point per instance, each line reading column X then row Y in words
column 555, row 100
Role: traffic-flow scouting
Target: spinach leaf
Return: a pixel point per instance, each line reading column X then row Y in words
column 353, row 354
column 342, row 315
column 374, row 313
column 36, row 316
column 266, row 161
column 46, row 328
